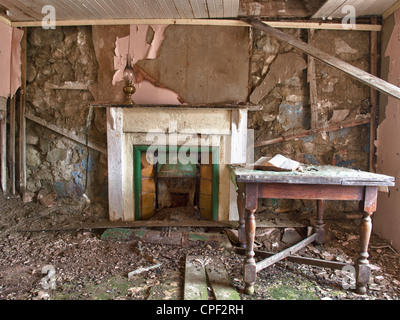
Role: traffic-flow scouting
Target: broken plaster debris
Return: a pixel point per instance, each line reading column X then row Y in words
column 142, row 269
column 89, row 267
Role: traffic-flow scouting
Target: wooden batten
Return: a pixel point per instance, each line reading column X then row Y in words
column 5, row 21
column 308, row 133
column 312, row 80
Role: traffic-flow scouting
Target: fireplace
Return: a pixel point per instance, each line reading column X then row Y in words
column 166, row 157
column 162, row 180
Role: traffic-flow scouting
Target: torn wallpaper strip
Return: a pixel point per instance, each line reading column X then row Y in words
column 10, row 60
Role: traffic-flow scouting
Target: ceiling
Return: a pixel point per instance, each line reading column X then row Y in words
column 29, row 12
column 337, row 8
column 23, row 10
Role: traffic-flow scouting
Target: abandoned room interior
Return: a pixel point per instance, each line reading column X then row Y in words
column 199, row 150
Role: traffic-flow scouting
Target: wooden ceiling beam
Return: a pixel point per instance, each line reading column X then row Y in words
column 204, row 22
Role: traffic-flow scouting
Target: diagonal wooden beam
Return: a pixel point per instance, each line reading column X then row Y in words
column 5, row 21
column 361, row 75
column 66, row 133
column 391, row 10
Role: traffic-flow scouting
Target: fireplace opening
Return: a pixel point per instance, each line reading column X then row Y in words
column 177, row 186
column 179, row 200
column 176, row 192
column 172, row 190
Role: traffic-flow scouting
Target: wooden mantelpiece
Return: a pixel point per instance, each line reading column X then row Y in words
column 104, row 104
column 129, row 127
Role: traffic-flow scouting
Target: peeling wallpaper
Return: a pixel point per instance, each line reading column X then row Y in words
column 136, row 44
column 10, row 60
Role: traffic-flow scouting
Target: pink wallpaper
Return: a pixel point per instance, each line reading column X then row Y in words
column 10, row 60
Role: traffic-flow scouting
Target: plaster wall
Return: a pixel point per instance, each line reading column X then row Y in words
column 387, row 218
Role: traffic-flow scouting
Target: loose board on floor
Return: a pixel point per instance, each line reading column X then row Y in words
column 195, row 279
column 203, row 274
column 220, row 282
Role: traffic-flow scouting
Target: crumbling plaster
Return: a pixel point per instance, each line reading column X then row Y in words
column 54, row 162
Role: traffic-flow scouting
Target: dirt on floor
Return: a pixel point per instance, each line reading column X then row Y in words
column 83, row 264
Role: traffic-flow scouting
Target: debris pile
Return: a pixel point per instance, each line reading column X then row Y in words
column 150, row 263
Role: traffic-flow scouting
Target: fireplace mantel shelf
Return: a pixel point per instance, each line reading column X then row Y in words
column 104, row 104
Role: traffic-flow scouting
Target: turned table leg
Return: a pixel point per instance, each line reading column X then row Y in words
column 250, row 263
column 242, row 218
column 320, row 222
column 363, row 269
column 250, row 271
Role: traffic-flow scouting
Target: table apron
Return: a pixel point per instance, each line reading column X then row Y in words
column 310, row 191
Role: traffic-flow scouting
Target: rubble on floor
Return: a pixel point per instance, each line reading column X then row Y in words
column 145, row 264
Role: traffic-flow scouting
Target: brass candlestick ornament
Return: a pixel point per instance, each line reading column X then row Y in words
column 129, row 76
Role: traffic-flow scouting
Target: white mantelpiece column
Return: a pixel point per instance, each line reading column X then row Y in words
column 115, row 165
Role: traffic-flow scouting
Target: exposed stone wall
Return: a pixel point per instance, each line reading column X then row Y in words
column 67, row 55
column 54, row 162
column 286, row 108
column 338, row 91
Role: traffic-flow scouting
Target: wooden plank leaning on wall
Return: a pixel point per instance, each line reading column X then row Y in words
column 373, row 98
column 22, row 120
column 16, row 164
column 312, row 80
column 3, row 144
column 11, row 144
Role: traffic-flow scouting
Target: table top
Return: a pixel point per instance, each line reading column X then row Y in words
column 311, row 175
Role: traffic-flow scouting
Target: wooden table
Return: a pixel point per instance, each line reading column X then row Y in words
column 314, row 183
